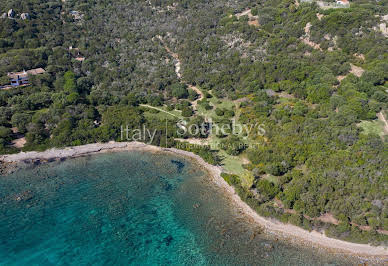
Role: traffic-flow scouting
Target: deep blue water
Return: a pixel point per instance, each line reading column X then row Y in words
column 131, row 209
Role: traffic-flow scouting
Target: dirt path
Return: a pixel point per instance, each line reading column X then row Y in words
column 382, row 118
column 179, row 74
column 357, row 71
column 244, row 13
column 253, row 20
column 306, row 38
column 159, row 109
column 201, row 96
column 174, row 55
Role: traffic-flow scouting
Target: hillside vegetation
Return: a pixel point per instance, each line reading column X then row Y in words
column 315, row 79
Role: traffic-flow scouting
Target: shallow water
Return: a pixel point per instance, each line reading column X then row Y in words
column 131, row 208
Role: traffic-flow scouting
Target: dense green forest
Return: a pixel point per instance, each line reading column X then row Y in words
column 317, row 80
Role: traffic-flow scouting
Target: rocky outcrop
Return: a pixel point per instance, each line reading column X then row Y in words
column 11, row 13
column 384, row 29
column 7, row 168
column 24, row 196
column 54, row 154
column 25, row 16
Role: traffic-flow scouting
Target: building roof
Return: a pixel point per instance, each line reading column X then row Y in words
column 24, row 73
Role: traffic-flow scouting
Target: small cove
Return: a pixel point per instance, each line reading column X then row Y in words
column 136, row 208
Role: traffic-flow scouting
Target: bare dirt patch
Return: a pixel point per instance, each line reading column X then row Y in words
column 340, row 78
column 360, row 56
column 357, row 71
column 254, row 23
column 253, row 20
column 19, row 143
column 328, row 218
column 384, row 120
column 320, row 16
column 306, row 39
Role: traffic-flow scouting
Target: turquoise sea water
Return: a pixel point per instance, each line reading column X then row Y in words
column 132, row 208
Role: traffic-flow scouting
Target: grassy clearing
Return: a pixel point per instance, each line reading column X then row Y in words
column 283, row 100
column 372, row 127
column 216, row 103
column 271, row 178
column 219, row 103
column 161, row 113
column 233, row 164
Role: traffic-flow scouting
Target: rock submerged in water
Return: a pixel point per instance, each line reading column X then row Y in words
column 168, row 240
column 24, row 196
column 8, row 168
column 179, row 165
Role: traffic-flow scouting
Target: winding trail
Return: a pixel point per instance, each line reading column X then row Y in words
column 178, row 72
column 200, row 97
column 382, row 118
column 174, row 55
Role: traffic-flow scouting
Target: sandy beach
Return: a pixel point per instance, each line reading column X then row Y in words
column 286, row 231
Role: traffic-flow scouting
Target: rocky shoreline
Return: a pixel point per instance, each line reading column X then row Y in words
column 294, row 234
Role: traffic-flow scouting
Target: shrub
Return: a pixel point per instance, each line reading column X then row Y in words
column 179, row 91
column 296, row 219
column 187, row 112
column 231, row 179
column 219, row 112
column 267, row 188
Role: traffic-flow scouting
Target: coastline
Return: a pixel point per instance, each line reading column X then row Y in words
column 286, row 231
